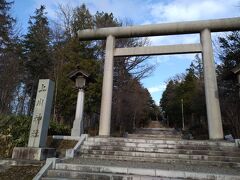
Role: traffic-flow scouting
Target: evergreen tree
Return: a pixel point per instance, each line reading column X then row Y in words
column 69, row 54
column 6, row 24
column 9, row 58
column 188, row 88
column 89, row 56
column 37, row 53
column 227, row 83
column 82, row 19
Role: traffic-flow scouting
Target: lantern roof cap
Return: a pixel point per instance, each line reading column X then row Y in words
column 78, row 73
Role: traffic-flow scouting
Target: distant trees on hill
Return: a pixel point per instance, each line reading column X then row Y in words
column 190, row 87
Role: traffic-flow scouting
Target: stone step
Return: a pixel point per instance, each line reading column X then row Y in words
column 155, row 129
column 157, row 132
column 163, row 160
column 138, row 173
column 119, row 177
column 164, row 135
column 164, row 150
column 55, row 178
column 95, row 175
column 162, row 155
column 84, row 175
column 161, row 146
column 159, row 141
column 155, row 136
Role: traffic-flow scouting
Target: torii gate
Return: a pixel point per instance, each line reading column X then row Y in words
column 191, row 27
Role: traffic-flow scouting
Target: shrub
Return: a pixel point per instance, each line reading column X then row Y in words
column 14, row 131
column 17, row 127
column 58, row 129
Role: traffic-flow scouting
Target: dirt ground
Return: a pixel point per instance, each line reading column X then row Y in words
column 18, row 172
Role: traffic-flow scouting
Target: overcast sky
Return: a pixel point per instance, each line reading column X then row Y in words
column 146, row 12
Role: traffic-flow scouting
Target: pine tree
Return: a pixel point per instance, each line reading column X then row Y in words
column 89, row 56
column 189, row 88
column 9, row 59
column 68, row 54
column 6, row 24
column 227, row 82
column 37, row 52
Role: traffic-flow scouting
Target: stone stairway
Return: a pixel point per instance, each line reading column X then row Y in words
column 136, row 158
column 156, row 130
column 155, row 124
column 150, row 153
column 165, row 151
column 156, row 133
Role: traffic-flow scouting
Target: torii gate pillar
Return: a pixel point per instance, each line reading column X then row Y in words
column 215, row 129
column 106, row 103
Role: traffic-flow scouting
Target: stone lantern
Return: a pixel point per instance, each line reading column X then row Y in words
column 79, row 77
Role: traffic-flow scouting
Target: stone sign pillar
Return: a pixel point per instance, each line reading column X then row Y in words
column 41, row 114
column 36, row 149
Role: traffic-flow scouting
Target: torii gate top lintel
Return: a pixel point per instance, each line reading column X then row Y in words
column 187, row 27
